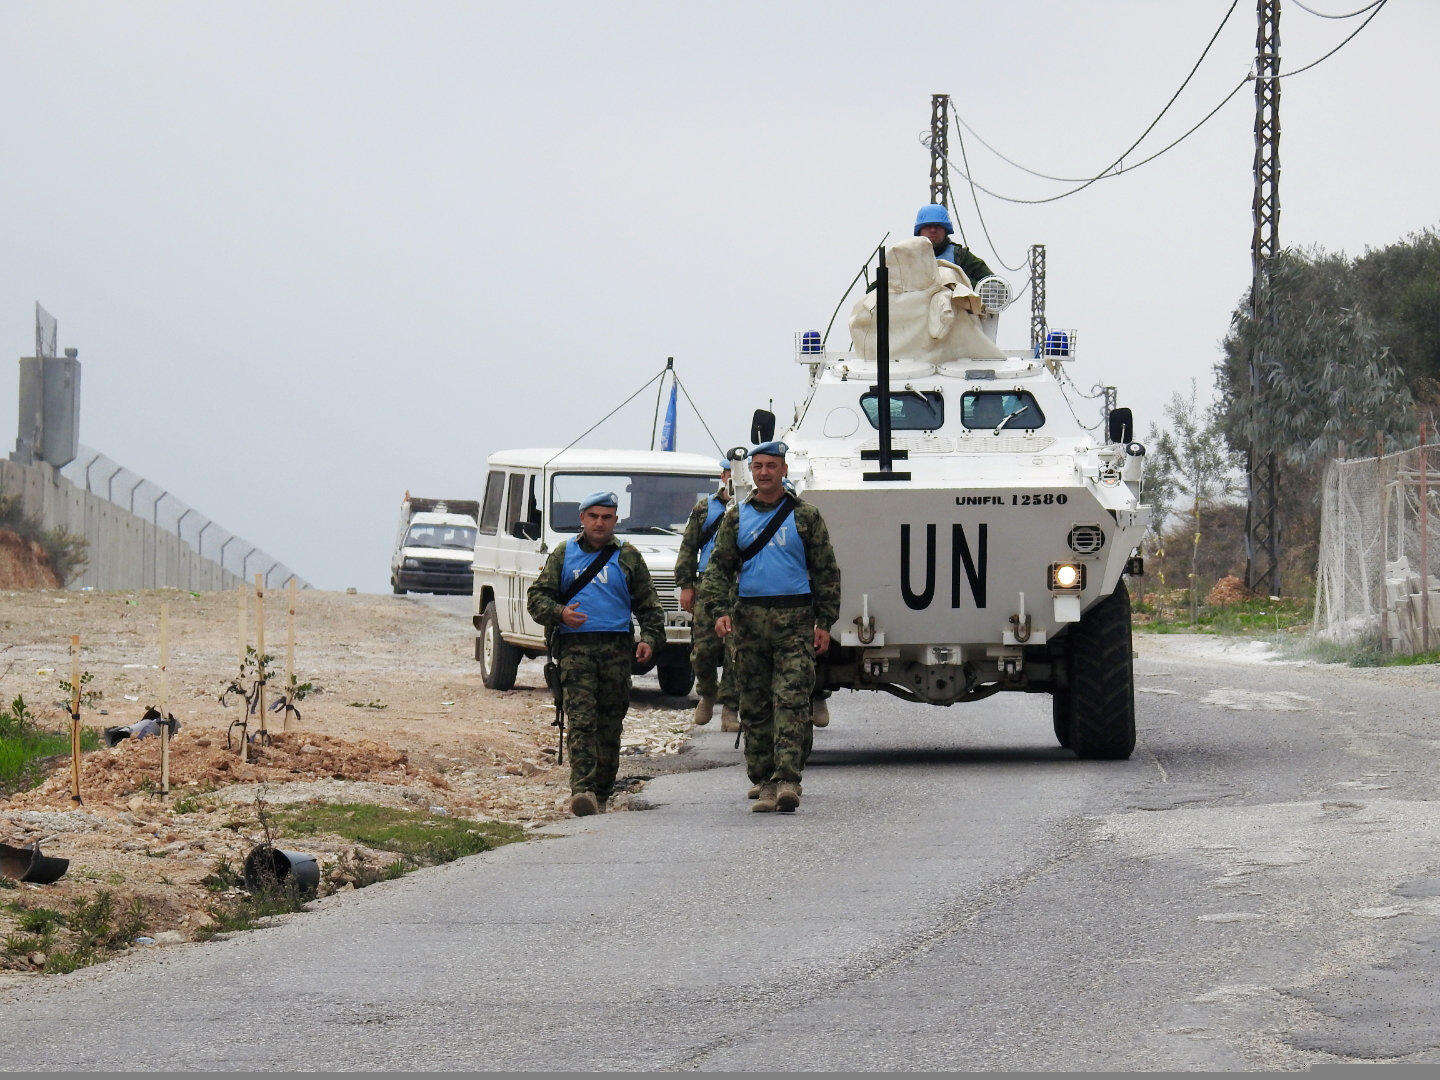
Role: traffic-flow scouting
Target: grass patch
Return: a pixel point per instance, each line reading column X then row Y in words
column 1250, row 618
column 420, row 838
column 24, row 746
column 92, row 929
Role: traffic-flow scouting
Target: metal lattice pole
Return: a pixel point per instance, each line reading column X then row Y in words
column 1262, row 519
column 1037, row 296
column 939, row 148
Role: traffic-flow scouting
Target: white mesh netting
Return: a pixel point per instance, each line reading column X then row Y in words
column 1379, row 550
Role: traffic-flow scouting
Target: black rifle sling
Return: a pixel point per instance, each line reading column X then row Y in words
column 587, row 575
column 750, row 550
column 708, row 533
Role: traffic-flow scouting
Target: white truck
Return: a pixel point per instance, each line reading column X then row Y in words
column 531, row 504
column 434, row 547
column 984, row 530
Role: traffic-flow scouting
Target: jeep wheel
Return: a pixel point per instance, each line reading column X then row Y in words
column 499, row 660
column 674, row 672
column 1101, row 692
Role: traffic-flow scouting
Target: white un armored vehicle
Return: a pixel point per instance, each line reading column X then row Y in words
column 532, row 503
column 983, row 531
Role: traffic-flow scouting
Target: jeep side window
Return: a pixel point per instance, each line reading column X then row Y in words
column 515, row 503
column 490, row 508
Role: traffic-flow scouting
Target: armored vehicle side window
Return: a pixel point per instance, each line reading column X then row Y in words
column 490, row 508
column 910, row 410
column 988, row 409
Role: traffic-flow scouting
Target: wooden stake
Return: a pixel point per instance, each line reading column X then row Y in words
column 1384, row 544
column 165, row 697
column 243, row 602
column 75, row 718
column 1424, row 547
column 289, row 652
column 260, row 646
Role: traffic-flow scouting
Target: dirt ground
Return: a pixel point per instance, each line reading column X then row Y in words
column 401, row 719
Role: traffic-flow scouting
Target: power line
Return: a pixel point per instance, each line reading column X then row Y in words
column 1149, row 128
column 1113, row 172
column 1347, row 15
column 1379, row 6
column 975, row 197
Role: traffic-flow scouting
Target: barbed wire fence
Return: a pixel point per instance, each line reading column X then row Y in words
column 106, row 478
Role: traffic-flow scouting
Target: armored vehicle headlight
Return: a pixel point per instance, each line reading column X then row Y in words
column 1086, row 539
column 411, row 564
column 1067, row 577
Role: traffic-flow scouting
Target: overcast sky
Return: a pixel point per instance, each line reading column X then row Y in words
column 313, row 255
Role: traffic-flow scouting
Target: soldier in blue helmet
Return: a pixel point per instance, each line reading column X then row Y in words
column 775, row 583
column 709, row 655
column 585, row 597
column 933, row 223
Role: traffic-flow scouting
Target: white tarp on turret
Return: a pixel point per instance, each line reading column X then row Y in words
column 934, row 311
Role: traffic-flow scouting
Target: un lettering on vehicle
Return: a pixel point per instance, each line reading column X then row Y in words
column 969, row 564
column 1015, row 498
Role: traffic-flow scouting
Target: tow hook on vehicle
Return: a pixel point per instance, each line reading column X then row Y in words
column 865, row 622
column 875, row 669
column 1020, row 622
column 1011, row 667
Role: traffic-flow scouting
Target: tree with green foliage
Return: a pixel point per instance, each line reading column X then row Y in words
column 1190, row 462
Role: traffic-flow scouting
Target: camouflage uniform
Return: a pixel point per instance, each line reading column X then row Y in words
column 775, row 647
column 708, row 651
column 595, row 667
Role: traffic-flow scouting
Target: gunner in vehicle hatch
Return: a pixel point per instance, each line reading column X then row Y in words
column 933, row 223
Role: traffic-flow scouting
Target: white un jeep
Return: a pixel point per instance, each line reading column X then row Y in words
column 531, row 505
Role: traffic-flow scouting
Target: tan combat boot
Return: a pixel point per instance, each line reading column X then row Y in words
column 704, row 710
column 819, row 712
column 765, row 801
column 754, row 792
column 583, row 804
column 787, row 796
column 729, row 719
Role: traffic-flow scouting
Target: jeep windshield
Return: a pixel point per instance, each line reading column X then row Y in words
column 655, row 504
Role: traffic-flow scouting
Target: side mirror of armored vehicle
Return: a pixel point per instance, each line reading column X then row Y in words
column 1122, row 425
column 762, row 426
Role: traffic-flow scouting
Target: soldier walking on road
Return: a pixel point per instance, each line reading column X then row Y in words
column 708, row 653
column 774, row 579
column 585, row 597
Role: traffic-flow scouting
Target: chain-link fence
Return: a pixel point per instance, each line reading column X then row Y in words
column 107, row 478
column 1379, row 552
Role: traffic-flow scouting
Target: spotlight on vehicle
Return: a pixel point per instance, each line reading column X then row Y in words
column 995, row 295
column 1067, row 577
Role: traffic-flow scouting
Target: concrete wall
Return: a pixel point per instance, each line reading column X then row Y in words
column 126, row 551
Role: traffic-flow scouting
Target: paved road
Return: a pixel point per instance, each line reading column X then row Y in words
column 1257, row 887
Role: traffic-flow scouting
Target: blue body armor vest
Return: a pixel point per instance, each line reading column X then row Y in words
column 780, row 567
column 605, row 602
column 713, row 510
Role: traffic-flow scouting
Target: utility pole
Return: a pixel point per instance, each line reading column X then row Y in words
column 1037, row 296
column 939, row 148
column 1262, row 517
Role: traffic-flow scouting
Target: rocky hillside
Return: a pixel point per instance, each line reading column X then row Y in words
column 23, row 564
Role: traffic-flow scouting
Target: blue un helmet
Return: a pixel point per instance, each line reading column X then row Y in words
column 933, row 214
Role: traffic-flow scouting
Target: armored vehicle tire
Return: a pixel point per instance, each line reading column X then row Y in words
column 1101, row 692
column 1060, row 709
column 499, row 660
column 675, row 673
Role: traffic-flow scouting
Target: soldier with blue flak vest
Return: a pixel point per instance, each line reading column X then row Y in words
column 708, row 653
column 585, row 597
column 933, row 223
column 774, row 579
